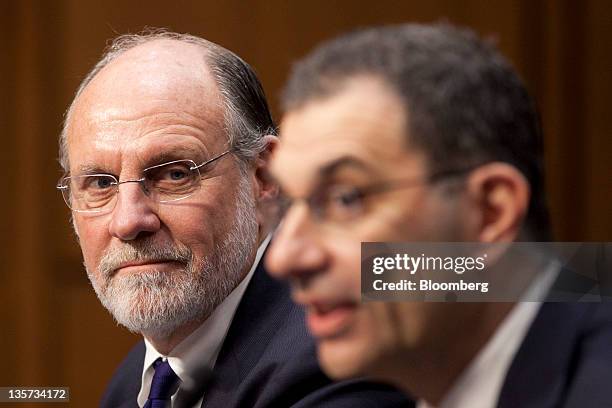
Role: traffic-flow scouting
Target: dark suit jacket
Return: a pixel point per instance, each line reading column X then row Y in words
column 267, row 360
column 565, row 359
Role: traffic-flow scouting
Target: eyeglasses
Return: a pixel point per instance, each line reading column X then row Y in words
column 163, row 183
column 341, row 204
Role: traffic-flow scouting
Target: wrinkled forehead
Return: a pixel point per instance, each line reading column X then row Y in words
column 152, row 86
column 362, row 125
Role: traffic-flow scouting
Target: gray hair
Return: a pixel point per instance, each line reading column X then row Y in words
column 247, row 116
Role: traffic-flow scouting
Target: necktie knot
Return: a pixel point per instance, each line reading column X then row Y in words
column 163, row 385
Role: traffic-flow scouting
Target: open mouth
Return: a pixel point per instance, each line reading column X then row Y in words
column 328, row 320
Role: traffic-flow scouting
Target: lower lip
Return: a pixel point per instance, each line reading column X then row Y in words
column 158, row 266
column 330, row 323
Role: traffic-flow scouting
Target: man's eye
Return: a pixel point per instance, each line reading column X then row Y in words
column 171, row 179
column 176, row 174
column 99, row 182
column 347, row 198
column 343, row 203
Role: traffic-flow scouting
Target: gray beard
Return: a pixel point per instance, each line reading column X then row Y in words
column 157, row 303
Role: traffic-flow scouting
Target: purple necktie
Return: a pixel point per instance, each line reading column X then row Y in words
column 164, row 384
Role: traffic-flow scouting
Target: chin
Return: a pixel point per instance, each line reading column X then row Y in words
column 346, row 358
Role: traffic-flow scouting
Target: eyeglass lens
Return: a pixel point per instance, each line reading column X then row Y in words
column 163, row 183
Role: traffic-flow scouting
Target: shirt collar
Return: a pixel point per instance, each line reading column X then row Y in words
column 480, row 383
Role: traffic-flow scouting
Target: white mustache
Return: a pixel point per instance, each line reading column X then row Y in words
column 142, row 252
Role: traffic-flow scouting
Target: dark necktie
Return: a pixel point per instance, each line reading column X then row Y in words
column 164, row 384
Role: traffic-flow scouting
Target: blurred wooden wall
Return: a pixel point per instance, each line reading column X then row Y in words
column 53, row 330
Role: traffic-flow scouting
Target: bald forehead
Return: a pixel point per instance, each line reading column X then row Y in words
column 153, row 93
column 164, row 58
column 159, row 70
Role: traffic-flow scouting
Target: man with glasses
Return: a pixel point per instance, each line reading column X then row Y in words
column 425, row 133
column 164, row 148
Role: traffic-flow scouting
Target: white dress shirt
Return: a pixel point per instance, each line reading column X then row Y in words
column 203, row 345
column 480, row 383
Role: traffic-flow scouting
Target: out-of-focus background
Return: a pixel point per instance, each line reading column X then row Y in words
column 53, row 331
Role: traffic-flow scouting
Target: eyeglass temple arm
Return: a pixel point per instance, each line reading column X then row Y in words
column 212, row 160
column 435, row 177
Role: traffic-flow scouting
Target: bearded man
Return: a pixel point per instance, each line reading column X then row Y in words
column 164, row 147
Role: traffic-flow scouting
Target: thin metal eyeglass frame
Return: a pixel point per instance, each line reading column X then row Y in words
column 372, row 189
column 62, row 187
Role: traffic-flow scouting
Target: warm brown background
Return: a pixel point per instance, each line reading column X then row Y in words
column 53, row 330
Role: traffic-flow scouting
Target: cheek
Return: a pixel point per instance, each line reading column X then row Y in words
column 371, row 343
column 390, row 327
column 410, row 320
column 190, row 229
column 198, row 225
column 426, row 218
column 94, row 237
column 388, row 323
column 347, row 263
column 356, row 351
column 418, row 325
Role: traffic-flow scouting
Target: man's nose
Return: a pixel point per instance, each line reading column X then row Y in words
column 296, row 251
column 133, row 214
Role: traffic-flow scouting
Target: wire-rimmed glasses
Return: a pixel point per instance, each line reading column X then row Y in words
column 339, row 204
column 163, row 183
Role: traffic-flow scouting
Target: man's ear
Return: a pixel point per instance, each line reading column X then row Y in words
column 266, row 188
column 499, row 194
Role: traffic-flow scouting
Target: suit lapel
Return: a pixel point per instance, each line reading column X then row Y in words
column 261, row 312
column 539, row 372
column 124, row 387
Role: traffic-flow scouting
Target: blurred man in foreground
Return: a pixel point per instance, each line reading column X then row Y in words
column 163, row 149
column 425, row 133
